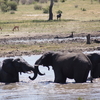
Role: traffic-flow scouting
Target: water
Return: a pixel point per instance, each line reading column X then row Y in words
column 51, row 39
column 43, row 87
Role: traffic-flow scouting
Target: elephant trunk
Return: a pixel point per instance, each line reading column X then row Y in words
column 37, row 68
column 36, row 72
column 35, row 75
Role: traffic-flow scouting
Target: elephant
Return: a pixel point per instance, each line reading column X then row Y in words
column 10, row 68
column 66, row 65
column 95, row 60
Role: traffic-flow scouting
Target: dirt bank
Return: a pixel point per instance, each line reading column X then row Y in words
column 7, row 41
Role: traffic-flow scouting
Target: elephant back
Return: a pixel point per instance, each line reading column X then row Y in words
column 8, row 66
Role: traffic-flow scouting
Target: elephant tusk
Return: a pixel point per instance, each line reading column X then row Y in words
column 36, row 65
column 29, row 72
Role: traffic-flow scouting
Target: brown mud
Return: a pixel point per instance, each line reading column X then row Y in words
column 4, row 41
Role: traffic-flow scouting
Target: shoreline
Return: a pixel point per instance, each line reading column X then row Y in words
column 17, row 52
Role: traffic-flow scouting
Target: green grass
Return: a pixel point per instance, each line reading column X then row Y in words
column 33, row 21
column 68, row 8
column 50, row 27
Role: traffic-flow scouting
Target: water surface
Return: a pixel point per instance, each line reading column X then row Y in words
column 51, row 39
column 43, row 87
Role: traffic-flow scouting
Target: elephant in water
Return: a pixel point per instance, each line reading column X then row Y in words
column 95, row 60
column 10, row 68
column 74, row 66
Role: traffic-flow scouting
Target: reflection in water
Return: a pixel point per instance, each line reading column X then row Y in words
column 43, row 87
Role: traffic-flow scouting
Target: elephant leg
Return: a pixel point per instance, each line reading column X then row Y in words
column 86, row 76
column 80, row 77
column 60, row 80
column 59, row 77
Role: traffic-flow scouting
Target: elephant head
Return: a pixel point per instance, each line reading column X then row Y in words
column 12, row 66
column 45, row 60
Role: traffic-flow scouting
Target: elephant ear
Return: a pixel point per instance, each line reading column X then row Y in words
column 17, row 64
column 47, row 59
column 16, row 61
column 8, row 67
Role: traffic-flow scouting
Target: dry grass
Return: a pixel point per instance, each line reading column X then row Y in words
column 29, row 49
column 33, row 22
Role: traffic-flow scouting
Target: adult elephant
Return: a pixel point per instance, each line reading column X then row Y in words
column 10, row 68
column 74, row 66
column 95, row 60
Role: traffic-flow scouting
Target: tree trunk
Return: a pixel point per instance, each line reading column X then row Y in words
column 88, row 39
column 99, row 1
column 50, row 11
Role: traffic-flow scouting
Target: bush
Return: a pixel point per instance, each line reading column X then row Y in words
column 59, row 12
column 37, row 7
column 12, row 12
column 4, row 8
column 55, row 0
column 12, row 5
column 23, row 2
column 2, row 2
column 28, row 2
column 46, row 10
column 43, row 1
column 83, row 9
column 76, row 6
column 62, row 0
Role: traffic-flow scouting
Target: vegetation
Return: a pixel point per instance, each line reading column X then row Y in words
column 8, row 5
column 79, row 16
column 19, row 49
column 80, row 98
column 59, row 12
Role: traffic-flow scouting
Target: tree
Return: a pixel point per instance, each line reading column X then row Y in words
column 99, row 1
column 50, row 10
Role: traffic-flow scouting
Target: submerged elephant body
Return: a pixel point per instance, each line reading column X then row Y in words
column 10, row 68
column 73, row 66
column 95, row 60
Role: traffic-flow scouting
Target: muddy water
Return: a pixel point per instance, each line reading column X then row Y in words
column 43, row 87
column 50, row 40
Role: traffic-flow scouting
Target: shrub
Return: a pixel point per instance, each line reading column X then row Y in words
column 37, row 7
column 55, row 0
column 4, row 8
column 76, row 6
column 59, row 12
column 12, row 5
column 43, row 1
column 62, row 0
column 12, row 12
column 46, row 10
column 2, row 2
column 28, row 2
column 23, row 2
column 83, row 9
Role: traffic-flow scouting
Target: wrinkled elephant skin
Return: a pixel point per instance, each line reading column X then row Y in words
column 10, row 68
column 95, row 60
column 74, row 66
